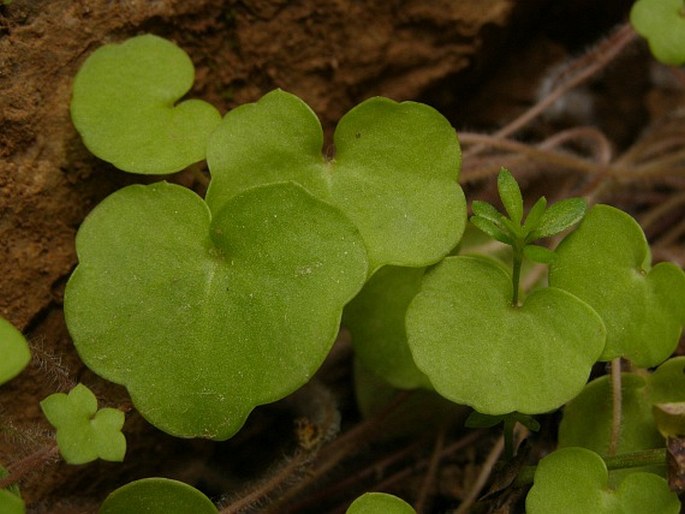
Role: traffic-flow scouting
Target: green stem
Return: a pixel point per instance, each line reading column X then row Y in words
column 655, row 457
column 616, row 407
column 516, row 275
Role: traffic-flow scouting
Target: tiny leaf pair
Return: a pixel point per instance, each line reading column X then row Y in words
column 205, row 316
column 576, row 481
column 85, row 433
column 14, row 350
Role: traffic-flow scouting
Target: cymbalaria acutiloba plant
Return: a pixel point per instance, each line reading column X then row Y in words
column 206, row 308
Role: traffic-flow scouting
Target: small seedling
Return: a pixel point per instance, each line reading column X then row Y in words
column 124, row 107
column 379, row 503
column 662, row 23
column 479, row 345
column 14, row 350
column 157, row 496
column 575, row 481
column 85, row 433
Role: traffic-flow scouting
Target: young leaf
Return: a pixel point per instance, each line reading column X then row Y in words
column 559, row 217
column 85, row 433
column 662, row 23
column 394, row 174
column 10, row 499
column 487, row 211
column 14, row 350
column 124, row 105
column 375, row 319
column 535, row 215
column 157, row 496
column 204, row 317
column 510, row 194
column 478, row 350
column 575, row 481
column 605, row 262
column 491, row 229
column 539, row 254
column 379, row 503
column 478, row 420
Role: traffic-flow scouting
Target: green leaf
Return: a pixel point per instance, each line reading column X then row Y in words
column 14, row 350
column 535, row 215
column 670, row 418
column 10, row 499
column 487, row 211
column 124, row 105
column 157, row 496
column 539, row 254
column 204, row 317
column 662, row 23
column 491, row 229
column 478, row 420
column 587, row 418
column 479, row 350
column 394, row 173
column 379, row 503
column 559, row 217
column 375, row 319
column 605, row 263
column 84, row 433
column 510, row 194
column 575, row 481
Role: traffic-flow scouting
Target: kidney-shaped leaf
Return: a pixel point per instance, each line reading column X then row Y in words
column 394, row 173
column 606, row 263
column 379, row 503
column 123, row 105
column 157, row 496
column 479, row 350
column 576, row 481
column 203, row 318
column 14, row 350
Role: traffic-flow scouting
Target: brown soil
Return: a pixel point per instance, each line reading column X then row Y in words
column 478, row 61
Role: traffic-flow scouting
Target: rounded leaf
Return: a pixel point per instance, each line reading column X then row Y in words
column 10, row 498
column 662, row 22
column 606, row 263
column 575, row 481
column 124, row 107
column 203, row 318
column 394, row 173
column 14, row 350
column 157, row 496
column 479, row 350
column 379, row 503
column 375, row 319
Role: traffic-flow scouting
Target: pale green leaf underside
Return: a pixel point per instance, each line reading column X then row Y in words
column 14, row 350
column 84, row 433
column 575, row 481
column 479, row 350
column 123, row 105
column 394, row 173
column 375, row 319
column 157, row 496
column 606, row 263
column 662, row 23
column 204, row 319
column 379, row 503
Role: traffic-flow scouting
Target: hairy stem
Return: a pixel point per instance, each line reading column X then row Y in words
column 616, row 407
column 34, row 462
